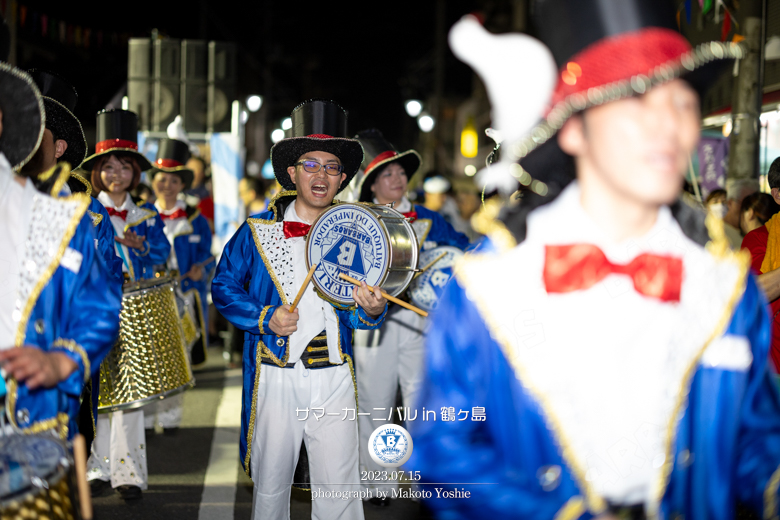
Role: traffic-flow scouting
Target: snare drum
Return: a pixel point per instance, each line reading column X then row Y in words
column 150, row 360
column 368, row 242
column 425, row 290
column 37, row 479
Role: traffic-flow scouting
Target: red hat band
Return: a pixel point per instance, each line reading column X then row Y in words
column 111, row 144
column 380, row 158
column 168, row 163
column 619, row 58
column 320, row 136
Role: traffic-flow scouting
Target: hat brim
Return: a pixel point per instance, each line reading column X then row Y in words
column 143, row 162
column 410, row 160
column 185, row 174
column 66, row 126
column 287, row 151
column 696, row 66
column 23, row 115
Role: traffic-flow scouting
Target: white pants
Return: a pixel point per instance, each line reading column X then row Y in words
column 396, row 358
column 167, row 413
column 331, row 442
column 119, row 450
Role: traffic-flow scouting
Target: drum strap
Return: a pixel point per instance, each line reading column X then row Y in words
column 315, row 355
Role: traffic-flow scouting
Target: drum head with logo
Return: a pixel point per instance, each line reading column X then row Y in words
column 425, row 290
column 349, row 239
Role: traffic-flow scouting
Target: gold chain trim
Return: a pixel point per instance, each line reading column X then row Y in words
column 367, row 323
column 572, row 509
column 253, row 412
column 770, row 496
column 69, row 344
column 262, row 318
column 97, row 218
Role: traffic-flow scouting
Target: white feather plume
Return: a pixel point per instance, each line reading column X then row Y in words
column 519, row 73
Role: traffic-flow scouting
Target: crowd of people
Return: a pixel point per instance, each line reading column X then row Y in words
column 601, row 349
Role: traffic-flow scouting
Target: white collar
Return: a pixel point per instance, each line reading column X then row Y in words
column 180, row 204
column 291, row 215
column 108, row 203
column 565, row 221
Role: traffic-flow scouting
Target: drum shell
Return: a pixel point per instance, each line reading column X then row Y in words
column 54, row 497
column 150, row 360
column 403, row 249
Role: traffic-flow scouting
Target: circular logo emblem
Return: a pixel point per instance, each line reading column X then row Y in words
column 390, row 445
column 348, row 239
column 426, row 289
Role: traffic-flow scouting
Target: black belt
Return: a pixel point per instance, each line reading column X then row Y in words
column 315, row 355
column 635, row 512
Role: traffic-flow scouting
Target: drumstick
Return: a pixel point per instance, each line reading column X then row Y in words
column 80, row 459
column 209, row 259
column 303, row 288
column 421, row 271
column 387, row 296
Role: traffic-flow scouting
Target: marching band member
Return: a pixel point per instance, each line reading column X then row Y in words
column 141, row 244
column 614, row 351
column 58, row 315
column 260, row 272
column 393, row 355
column 189, row 233
column 64, row 141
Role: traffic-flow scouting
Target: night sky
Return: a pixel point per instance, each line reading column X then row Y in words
column 369, row 57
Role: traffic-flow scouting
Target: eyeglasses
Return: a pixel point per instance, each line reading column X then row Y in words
column 314, row 167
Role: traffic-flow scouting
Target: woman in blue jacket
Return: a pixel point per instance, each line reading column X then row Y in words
column 119, row 450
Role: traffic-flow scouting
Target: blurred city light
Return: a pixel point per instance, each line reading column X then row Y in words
column 287, row 124
column 244, row 116
column 470, row 170
column 469, row 141
column 413, row 107
column 277, row 135
column 426, row 123
column 253, row 103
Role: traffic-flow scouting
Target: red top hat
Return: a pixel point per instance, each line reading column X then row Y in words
column 383, row 153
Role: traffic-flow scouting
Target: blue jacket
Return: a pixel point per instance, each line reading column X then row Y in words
column 725, row 448
column 246, row 290
column 145, row 221
column 105, row 238
column 433, row 231
column 193, row 245
column 73, row 309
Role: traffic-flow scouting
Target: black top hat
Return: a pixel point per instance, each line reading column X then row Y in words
column 117, row 134
column 317, row 125
column 382, row 153
column 59, row 100
column 172, row 157
column 23, row 115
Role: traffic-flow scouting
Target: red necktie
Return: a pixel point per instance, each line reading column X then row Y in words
column 295, row 229
column 179, row 213
column 581, row 266
column 412, row 215
column 114, row 213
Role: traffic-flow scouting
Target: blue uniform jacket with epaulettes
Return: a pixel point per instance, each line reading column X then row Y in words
column 70, row 305
column 192, row 243
column 247, row 289
column 433, row 231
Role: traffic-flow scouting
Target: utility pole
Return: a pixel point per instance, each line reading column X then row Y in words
column 747, row 100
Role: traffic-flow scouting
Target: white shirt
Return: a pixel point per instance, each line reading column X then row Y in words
column 171, row 226
column 119, row 225
column 315, row 314
column 15, row 204
column 402, row 207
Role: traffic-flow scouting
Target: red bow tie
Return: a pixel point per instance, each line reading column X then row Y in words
column 179, row 213
column 412, row 215
column 114, row 213
column 295, row 229
column 581, row 266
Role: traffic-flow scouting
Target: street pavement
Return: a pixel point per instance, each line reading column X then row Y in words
column 196, row 473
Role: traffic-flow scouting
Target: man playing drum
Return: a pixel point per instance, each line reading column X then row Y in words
column 298, row 380
column 393, row 355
